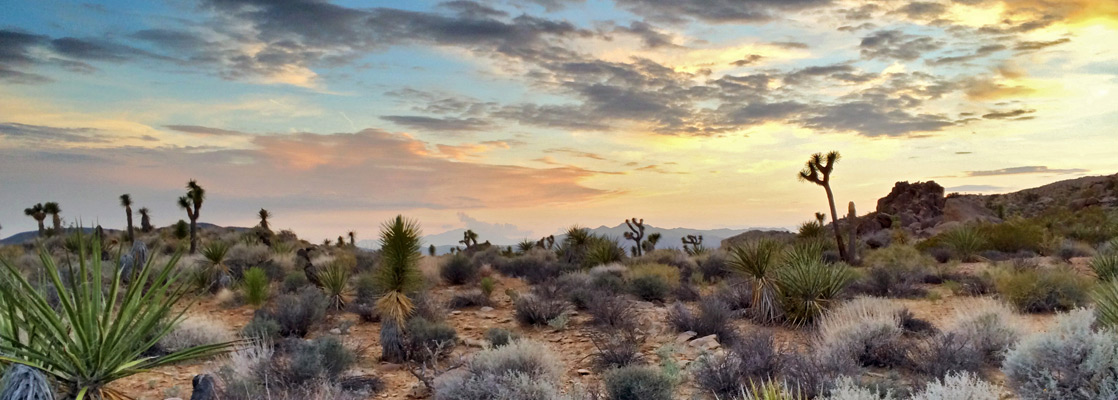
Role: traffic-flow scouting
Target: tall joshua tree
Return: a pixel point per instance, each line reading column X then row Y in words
column 636, row 234
column 53, row 209
column 192, row 203
column 145, row 220
column 352, row 238
column 818, row 170
column 469, row 238
column 650, row 243
column 126, row 202
column 264, row 215
column 36, row 212
column 398, row 275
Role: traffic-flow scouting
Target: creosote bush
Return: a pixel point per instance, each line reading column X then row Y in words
column 532, row 309
column 713, row 318
column 427, row 340
column 458, row 270
column 521, row 370
column 869, row 331
column 754, row 358
column 498, row 337
column 1043, row 290
column 638, row 383
column 298, row 313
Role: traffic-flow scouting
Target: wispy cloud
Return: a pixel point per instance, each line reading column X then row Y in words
column 1039, row 169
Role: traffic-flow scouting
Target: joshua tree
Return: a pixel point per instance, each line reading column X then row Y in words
column 398, row 275
column 341, row 241
column 818, row 170
column 469, row 238
column 431, row 250
column 126, row 202
column 692, row 244
column 264, row 214
column 194, row 196
column 53, row 209
column 352, row 238
column 546, row 242
column 636, row 234
column 145, row 220
column 36, row 211
column 650, row 243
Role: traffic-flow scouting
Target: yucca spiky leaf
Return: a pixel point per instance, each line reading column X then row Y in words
column 757, row 261
column 1106, row 304
column 807, row 286
column 1105, row 266
column 335, row 279
column 399, row 272
column 96, row 336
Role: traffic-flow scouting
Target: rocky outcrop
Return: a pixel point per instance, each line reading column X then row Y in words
column 964, row 210
column 916, row 205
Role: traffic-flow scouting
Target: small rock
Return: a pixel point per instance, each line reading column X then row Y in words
column 473, row 342
column 486, row 309
column 335, row 331
column 708, row 342
column 583, row 371
column 685, row 336
column 455, row 312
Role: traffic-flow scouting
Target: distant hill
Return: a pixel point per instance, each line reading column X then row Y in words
column 29, row 236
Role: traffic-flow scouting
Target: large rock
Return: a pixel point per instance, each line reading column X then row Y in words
column 964, row 210
column 914, row 202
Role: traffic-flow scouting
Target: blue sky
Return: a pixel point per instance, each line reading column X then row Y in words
column 538, row 114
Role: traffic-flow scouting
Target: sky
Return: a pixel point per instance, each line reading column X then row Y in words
column 528, row 116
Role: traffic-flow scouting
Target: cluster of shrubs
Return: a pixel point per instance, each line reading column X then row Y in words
column 292, row 369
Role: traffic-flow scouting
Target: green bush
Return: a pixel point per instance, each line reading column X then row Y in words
column 1014, row 236
column 365, row 290
column 255, row 284
column 427, row 340
column 650, row 287
column 498, row 337
column 638, row 383
column 1043, row 290
column 458, row 270
column 294, row 280
column 298, row 313
column 965, row 242
column 261, row 327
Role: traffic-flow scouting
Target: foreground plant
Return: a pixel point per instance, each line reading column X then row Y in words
column 807, row 285
column 757, row 260
column 398, row 275
column 96, row 336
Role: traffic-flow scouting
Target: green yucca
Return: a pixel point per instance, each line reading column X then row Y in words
column 757, row 260
column 96, row 336
column 604, row 251
column 335, row 279
column 255, row 285
column 282, row 247
column 1105, row 266
column 965, row 242
column 525, row 246
column 1106, row 303
column 807, row 286
column 769, row 390
column 399, row 271
column 214, row 253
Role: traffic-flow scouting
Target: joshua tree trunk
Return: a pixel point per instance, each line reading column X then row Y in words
column 835, row 224
column 57, row 223
column 193, row 234
column 131, row 232
column 852, row 227
column 42, row 227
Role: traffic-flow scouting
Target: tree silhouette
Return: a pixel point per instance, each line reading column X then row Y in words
column 818, row 170
column 192, row 203
column 36, row 212
column 126, row 202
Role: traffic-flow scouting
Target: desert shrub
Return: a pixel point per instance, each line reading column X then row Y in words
column 757, row 261
column 638, row 383
column 714, row 266
column 427, row 307
column 989, row 327
column 880, row 281
column 604, row 251
column 532, row 309
column 522, row 370
column 847, row 389
column 865, row 330
column 1043, row 290
column 255, row 285
column 964, row 242
column 486, row 286
column 535, row 266
column 298, row 313
column 366, row 311
column 306, row 364
column 1070, row 249
column 365, row 289
column 614, row 312
column 737, row 295
column 473, row 298
column 713, row 318
column 458, row 270
column 971, row 285
column 807, row 286
column 426, row 340
column 294, row 280
column 616, row 350
column 192, row 332
column 942, row 354
column 1070, row 361
column 813, row 373
column 1013, row 236
column 650, row 287
column 578, row 287
column 1105, row 266
column 261, row 327
column 498, row 337
column 664, row 272
column 753, row 358
column 962, row 385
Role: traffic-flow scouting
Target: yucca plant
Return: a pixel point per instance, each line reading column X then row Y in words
column 807, row 286
column 335, row 280
column 255, row 285
column 95, row 336
column 965, row 242
column 757, row 260
column 769, row 390
column 397, row 276
column 604, row 251
column 1105, row 266
column 1106, row 304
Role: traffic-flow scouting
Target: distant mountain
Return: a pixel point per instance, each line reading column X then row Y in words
column 671, row 238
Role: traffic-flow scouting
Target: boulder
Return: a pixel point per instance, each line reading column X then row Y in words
column 964, row 210
column 204, row 388
column 914, row 203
